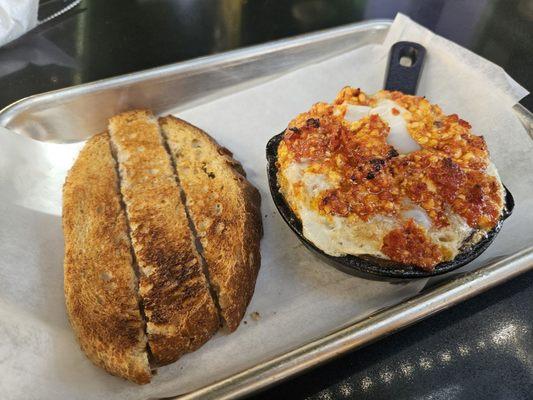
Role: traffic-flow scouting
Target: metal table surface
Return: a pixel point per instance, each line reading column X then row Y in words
column 482, row 348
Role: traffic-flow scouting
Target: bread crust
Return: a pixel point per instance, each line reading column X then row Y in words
column 181, row 314
column 133, row 224
column 99, row 280
column 226, row 211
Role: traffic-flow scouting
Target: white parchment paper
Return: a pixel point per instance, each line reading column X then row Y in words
column 16, row 18
column 297, row 298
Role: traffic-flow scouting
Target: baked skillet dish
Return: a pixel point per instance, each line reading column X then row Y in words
column 162, row 233
column 392, row 178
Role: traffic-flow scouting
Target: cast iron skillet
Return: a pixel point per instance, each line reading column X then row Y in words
column 405, row 79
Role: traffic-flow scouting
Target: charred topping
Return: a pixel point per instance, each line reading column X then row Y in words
column 292, row 132
column 313, row 122
column 448, row 163
column 392, row 153
column 377, row 163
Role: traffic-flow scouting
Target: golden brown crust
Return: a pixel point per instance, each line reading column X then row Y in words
column 100, row 284
column 180, row 312
column 226, row 211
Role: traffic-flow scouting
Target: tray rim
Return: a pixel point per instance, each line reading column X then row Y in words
column 371, row 328
column 10, row 111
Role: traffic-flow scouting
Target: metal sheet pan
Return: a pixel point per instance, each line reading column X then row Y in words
column 56, row 116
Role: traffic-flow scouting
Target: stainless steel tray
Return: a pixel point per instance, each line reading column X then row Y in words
column 68, row 114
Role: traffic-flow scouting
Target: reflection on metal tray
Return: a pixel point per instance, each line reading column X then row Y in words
column 72, row 114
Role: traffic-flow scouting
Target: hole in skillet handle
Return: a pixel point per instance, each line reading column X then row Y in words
column 370, row 267
column 406, row 61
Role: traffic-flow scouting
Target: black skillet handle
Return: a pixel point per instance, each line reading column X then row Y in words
column 406, row 60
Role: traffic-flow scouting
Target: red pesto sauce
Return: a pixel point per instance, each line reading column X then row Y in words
column 375, row 178
column 411, row 236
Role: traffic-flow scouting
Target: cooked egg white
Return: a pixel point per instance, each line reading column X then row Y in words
column 399, row 136
column 338, row 236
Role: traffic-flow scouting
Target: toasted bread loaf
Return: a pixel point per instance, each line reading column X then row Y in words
column 100, row 283
column 225, row 209
column 180, row 311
